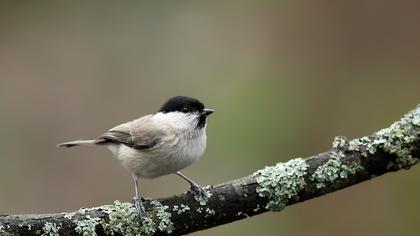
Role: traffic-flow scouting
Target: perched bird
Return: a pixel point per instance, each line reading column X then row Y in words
column 158, row 144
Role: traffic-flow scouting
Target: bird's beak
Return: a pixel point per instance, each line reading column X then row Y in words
column 207, row 111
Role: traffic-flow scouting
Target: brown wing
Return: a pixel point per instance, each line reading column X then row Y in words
column 140, row 134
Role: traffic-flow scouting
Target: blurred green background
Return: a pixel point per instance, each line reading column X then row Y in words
column 284, row 77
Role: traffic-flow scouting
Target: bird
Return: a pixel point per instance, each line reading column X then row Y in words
column 158, row 144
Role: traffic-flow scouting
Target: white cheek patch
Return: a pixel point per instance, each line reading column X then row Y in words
column 178, row 119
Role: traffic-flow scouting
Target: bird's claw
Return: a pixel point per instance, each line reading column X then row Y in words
column 199, row 191
column 138, row 204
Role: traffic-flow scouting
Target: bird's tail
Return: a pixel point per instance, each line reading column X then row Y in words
column 78, row 143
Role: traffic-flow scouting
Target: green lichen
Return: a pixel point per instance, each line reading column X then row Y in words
column 69, row 215
column 203, row 198
column 339, row 142
column 180, row 209
column 334, row 169
column 398, row 136
column 50, row 229
column 86, row 227
column 165, row 224
column 281, row 182
column 394, row 140
column 123, row 219
column 84, row 210
column 256, row 209
column 148, row 226
column 242, row 214
column 3, row 232
column 364, row 145
column 210, row 211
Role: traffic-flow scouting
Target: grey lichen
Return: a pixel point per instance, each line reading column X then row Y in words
column 3, row 232
column 256, row 209
column 69, row 215
column 339, row 142
column 210, row 211
column 148, row 226
column 281, row 182
column 86, row 227
column 50, row 229
column 180, row 209
column 394, row 140
column 333, row 169
column 184, row 208
column 364, row 145
column 202, row 199
column 242, row 214
column 165, row 224
column 123, row 219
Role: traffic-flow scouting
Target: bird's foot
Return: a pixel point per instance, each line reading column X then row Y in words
column 138, row 204
column 200, row 193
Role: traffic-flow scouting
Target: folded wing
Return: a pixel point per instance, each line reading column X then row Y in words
column 141, row 134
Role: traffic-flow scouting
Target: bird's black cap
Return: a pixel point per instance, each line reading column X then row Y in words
column 182, row 104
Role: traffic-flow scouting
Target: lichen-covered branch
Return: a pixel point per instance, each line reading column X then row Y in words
column 272, row 188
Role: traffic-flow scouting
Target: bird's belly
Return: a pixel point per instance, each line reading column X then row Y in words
column 152, row 164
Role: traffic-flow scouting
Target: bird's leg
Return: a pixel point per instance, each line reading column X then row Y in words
column 194, row 187
column 138, row 204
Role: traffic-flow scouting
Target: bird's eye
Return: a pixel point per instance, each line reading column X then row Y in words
column 185, row 109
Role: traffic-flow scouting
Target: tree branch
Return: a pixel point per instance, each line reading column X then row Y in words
column 271, row 188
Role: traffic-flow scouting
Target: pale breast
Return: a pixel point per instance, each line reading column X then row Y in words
column 168, row 158
column 190, row 150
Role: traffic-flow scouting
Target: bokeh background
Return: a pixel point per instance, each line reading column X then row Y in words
column 285, row 77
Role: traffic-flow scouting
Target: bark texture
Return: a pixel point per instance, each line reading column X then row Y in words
column 347, row 163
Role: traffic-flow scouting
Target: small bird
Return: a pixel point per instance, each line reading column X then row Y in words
column 158, row 144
